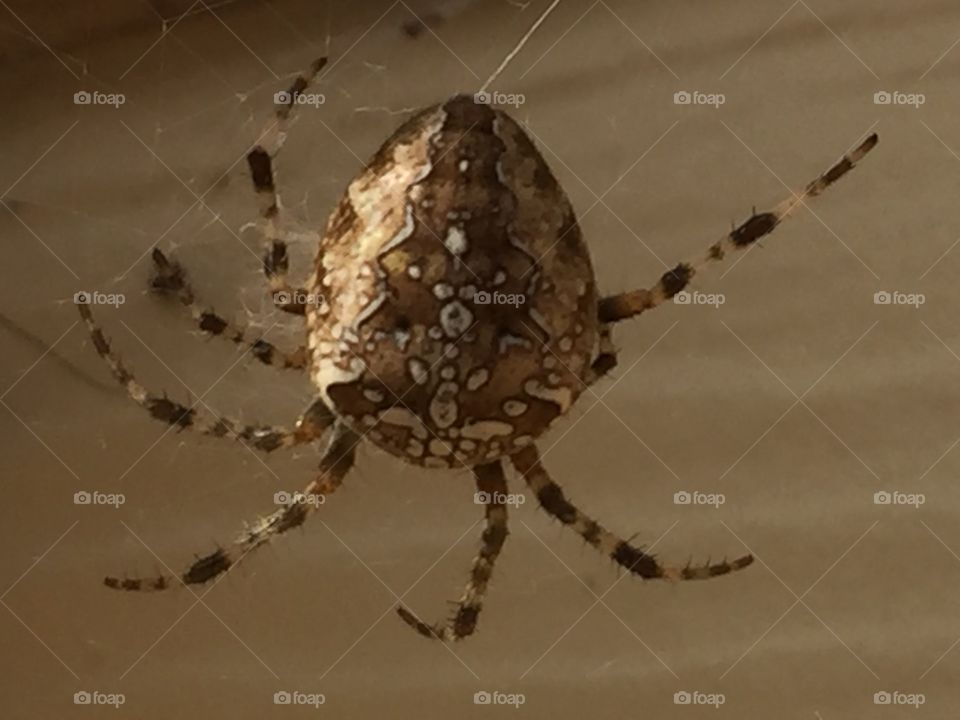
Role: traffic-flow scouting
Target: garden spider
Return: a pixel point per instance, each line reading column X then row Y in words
column 406, row 344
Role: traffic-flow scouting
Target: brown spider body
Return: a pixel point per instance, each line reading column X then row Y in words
column 454, row 316
column 460, row 307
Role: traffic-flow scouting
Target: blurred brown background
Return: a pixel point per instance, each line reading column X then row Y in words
column 798, row 398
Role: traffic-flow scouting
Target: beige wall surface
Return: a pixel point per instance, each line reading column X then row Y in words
column 796, row 396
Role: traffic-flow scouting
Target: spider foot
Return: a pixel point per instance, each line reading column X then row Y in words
column 462, row 622
column 159, row 582
column 707, row 570
column 168, row 275
column 434, row 632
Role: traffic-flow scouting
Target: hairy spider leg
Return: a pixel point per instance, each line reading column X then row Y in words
column 552, row 500
column 336, row 462
column 621, row 306
column 260, row 159
column 169, row 277
column 492, row 490
column 311, row 425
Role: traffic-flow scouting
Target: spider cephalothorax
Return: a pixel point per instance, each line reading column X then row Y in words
column 460, row 310
column 451, row 317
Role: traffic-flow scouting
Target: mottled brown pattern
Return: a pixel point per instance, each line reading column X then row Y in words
column 461, row 195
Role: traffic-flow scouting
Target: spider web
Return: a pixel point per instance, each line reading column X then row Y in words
column 199, row 84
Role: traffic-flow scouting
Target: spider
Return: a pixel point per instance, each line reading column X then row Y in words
column 408, row 343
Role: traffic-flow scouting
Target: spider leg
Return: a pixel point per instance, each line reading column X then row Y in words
column 492, row 488
column 552, row 499
column 169, row 277
column 336, row 462
column 311, row 424
column 629, row 304
column 606, row 359
column 260, row 159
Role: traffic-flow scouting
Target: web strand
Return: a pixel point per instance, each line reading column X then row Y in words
column 519, row 46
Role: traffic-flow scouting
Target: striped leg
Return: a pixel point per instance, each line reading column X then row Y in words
column 169, row 277
column 492, row 488
column 260, row 159
column 311, row 425
column 629, row 304
column 606, row 359
column 552, row 499
column 334, row 466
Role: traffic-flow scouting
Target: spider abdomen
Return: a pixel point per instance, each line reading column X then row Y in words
column 460, row 308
